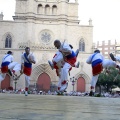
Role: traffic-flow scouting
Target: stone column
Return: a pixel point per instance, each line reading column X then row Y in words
column 90, row 22
column 1, row 16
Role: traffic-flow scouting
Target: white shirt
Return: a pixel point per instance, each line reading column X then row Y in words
column 23, row 59
column 97, row 56
column 66, row 47
column 7, row 58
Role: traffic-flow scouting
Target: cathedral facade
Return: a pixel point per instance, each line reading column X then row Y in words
column 36, row 24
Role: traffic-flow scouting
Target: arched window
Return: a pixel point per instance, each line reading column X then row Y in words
column 47, row 9
column 40, row 9
column 8, row 41
column 82, row 45
column 54, row 10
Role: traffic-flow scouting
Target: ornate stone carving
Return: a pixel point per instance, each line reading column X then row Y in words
column 45, row 57
column 35, row 46
column 46, row 37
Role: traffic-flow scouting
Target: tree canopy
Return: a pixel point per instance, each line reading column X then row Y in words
column 109, row 79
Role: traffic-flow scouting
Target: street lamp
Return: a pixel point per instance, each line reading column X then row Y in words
column 15, row 84
column 73, row 80
column 35, row 86
column 15, row 81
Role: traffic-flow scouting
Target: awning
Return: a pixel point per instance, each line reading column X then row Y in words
column 116, row 89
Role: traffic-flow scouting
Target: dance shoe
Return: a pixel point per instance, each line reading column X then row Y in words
column 77, row 52
column 26, row 93
column 91, row 93
column 77, row 66
column 64, row 87
column 112, row 57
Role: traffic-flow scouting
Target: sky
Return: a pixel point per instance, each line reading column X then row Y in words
column 105, row 15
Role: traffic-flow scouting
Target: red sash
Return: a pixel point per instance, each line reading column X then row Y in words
column 97, row 69
column 4, row 69
column 27, row 71
column 71, row 61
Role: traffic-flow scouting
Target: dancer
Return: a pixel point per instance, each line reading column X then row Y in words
column 63, row 61
column 26, row 67
column 98, row 64
column 8, row 66
column 59, row 63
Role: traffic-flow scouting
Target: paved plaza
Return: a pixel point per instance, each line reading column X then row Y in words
column 52, row 107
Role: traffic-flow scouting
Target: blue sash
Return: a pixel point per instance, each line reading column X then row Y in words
column 6, row 56
column 71, row 55
column 29, row 64
column 93, row 56
column 96, row 62
column 5, row 64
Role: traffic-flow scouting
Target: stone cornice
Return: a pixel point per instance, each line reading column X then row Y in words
column 35, row 46
column 46, row 19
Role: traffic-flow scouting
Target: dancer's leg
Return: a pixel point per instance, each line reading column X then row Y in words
column 93, row 84
column 27, row 83
column 64, row 76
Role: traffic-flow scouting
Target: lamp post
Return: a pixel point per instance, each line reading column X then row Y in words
column 15, row 81
column 15, row 84
column 73, row 80
column 35, row 86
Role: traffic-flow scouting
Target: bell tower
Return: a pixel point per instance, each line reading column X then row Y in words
column 47, row 10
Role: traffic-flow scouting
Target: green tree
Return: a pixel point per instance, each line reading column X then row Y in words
column 109, row 80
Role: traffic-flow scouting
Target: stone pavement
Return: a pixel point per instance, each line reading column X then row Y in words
column 51, row 107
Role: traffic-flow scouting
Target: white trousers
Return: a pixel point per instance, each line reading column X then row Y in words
column 117, row 58
column 27, row 81
column 58, row 59
column 12, row 66
column 106, row 65
column 63, row 72
column 59, row 82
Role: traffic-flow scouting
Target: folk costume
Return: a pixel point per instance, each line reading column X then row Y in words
column 98, row 63
column 63, row 63
column 6, row 65
column 27, row 69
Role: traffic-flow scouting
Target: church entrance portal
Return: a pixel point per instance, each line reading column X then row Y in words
column 43, row 82
column 5, row 84
column 81, row 84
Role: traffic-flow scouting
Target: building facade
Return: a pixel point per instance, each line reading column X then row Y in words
column 107, row 47
column 37, row 23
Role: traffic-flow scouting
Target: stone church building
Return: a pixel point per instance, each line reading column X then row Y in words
column 37, row 23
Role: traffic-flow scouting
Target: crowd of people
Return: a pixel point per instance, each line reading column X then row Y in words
column 115, row 94
column 63, row 61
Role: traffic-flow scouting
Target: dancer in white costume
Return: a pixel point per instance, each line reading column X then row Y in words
column 26, row 67
column 63, row 61
column 58, row 61
column 8, row 65
column 98, row 63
